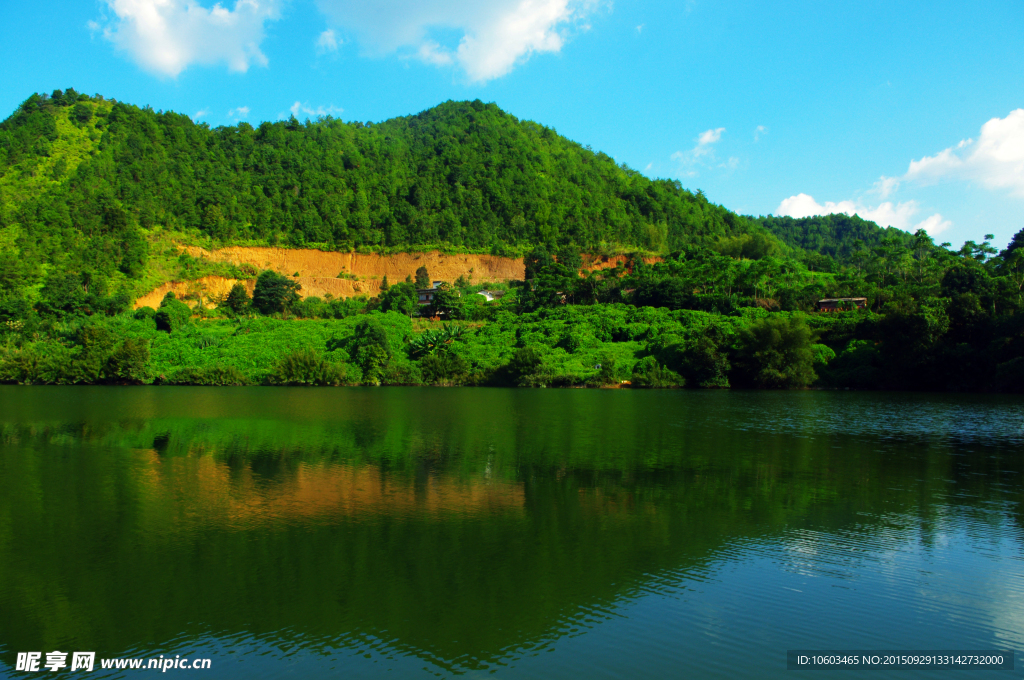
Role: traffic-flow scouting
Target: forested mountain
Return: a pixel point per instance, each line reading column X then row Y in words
column 85, row 183
column 462, row 173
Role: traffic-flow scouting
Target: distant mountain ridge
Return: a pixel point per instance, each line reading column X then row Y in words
column 837, row 235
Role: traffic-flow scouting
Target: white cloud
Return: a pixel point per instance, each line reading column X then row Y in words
column 759, row 131
column 200, row 113
column 167, row 36
column 702, row 153
column 492, row 36
column 327, row 42
column 934, row 225
column 301, row 107
column 996, row 159
column 241, row 112
column 900, row 215
column 640, row 28
column 709, row 137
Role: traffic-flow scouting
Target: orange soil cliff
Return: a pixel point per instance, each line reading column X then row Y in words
column 318, row 270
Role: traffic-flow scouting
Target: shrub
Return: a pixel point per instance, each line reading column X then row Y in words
column 306, row 367
column 649, row 373
column 400, row 373
column 218, row 375
column 443, row 368
column 525, row 364
column 172, row 315
column 823, row 354
column 130, row 362
column 857, row 366
column 238, row 299
column 704, row 360
column 44, row 363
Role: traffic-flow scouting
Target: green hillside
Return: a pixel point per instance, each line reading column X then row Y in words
column 97, row 196
column 463, row 173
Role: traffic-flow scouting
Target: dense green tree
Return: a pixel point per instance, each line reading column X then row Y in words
column 274, row 293
column 369, row 346
column 447, row 303
column 400, row 298
column 775, row 352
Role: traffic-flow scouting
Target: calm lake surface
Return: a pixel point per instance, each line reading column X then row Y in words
column 407, row 533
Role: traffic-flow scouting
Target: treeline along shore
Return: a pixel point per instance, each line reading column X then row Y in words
column 103, row 203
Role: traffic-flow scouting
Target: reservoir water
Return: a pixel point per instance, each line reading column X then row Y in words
column 421, row 533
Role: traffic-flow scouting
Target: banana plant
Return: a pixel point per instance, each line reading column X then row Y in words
column 429, row 342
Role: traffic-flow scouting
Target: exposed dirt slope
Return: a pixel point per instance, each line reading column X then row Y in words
column 319, row 264
column 318, row 270
column 209, row 286
column 596, row 262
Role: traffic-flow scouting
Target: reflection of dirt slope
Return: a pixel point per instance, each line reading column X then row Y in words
column 222, row 496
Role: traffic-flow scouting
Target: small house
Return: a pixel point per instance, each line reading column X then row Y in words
column 426, row 295
column 840, row 304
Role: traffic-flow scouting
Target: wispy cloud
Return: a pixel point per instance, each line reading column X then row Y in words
column 885, row 187
column 327, row 42
column 760, row 131
column 200, row 113
column 493, row 36
column 701, row 154
column 240, row 113
column 167, row 36
column 304, row 108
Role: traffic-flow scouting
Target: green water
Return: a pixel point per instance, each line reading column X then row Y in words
column 507, row 533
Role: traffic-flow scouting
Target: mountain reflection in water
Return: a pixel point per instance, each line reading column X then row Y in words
column 533, row 533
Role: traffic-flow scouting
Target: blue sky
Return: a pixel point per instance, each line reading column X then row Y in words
column 909, row 113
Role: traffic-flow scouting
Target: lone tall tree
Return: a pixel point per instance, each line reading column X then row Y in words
column 274, row 293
